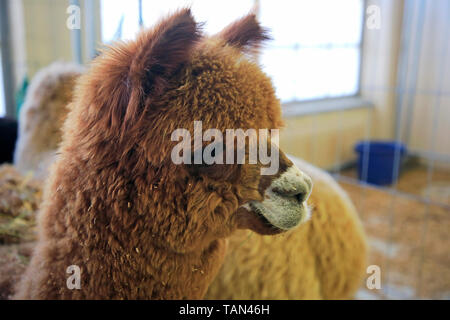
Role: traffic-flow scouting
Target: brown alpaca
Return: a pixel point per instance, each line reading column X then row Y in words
column 115, row 205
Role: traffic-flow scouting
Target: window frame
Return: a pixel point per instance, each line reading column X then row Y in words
column 330, row 104
column 322, row 102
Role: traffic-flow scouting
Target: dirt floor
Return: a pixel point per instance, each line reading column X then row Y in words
column 408, row 232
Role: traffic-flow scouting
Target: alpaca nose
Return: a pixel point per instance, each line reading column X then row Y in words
column 294, row 183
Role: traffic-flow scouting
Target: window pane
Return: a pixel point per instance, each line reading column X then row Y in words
column 112, row 12
column 343, row 72
column 312, row 73
column 281, row 65
column 323, row 38
column 313, row 23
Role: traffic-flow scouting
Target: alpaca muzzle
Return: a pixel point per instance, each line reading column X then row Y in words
column 285, row 201
column 293, row 183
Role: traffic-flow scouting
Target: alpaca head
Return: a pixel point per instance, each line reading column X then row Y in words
column 139, row 93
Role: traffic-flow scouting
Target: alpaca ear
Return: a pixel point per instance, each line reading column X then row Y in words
column 161, row 51
column 245, row 33
column 158, row 54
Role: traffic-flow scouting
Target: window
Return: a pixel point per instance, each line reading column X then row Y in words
column 120, row 19
column 316, row 49
column 315, row 53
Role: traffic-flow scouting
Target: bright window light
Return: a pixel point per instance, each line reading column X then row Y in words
column 120, row 19
column 316, row 49
column 315, row 53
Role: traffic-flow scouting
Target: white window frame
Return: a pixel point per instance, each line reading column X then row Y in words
column 342, row 103
column 330, row 104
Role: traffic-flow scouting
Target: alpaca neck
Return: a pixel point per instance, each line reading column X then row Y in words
column 121, row 273
column 147, row 270
column 183, row 275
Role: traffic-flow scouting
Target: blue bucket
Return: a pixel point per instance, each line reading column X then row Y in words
column 379, row 159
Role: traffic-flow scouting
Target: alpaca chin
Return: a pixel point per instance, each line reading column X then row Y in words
column 282, row 213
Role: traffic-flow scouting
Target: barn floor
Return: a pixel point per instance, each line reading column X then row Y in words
column 409, row 238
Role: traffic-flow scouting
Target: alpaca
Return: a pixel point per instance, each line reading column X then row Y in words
column 42, row 115
column 324, row 259
column 136, row 224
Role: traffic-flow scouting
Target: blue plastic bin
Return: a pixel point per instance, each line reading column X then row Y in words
column 379, row 157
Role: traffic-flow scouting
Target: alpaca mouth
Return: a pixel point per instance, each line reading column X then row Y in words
column 265, row 224
column 285, row 201
column 281, row 212
column 276, row 214
column 284, row 205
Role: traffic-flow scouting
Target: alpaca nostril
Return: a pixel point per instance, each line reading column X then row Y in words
column 300, row 192
column 301, row 197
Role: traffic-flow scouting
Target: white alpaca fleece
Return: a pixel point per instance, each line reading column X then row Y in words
column 42, row 115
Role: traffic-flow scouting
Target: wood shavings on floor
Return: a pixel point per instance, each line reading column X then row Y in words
column 408, row 234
